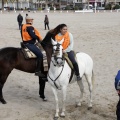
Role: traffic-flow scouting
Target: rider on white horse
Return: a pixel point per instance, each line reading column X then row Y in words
column 60, row 73
column 58, row 34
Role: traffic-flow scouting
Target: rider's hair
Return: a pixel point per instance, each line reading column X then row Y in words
column 56, row 30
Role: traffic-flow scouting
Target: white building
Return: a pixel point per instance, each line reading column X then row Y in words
column 24, row 4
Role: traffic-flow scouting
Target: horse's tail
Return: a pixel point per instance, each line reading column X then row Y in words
column 93, row 78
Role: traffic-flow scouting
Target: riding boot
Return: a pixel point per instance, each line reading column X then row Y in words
column 38, row 70
column 77, row 71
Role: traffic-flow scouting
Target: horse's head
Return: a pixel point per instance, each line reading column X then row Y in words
column 57, row 52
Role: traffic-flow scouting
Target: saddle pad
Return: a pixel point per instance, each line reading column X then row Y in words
column 28, row 54
column 45, row 63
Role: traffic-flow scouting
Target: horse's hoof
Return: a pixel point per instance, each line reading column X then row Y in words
column 44, row 99
column 62, row 115
column 89, row 108
column 3, row 101
column 78, row 105
column 56, row 118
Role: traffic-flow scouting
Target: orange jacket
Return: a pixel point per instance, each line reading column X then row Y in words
column 26, row 36
column 66, row 40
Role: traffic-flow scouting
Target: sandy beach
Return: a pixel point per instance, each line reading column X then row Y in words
column 95, row 34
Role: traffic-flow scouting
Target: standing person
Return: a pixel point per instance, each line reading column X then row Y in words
column 58, row 34
column 26, row 16
column 117, row 87
column 29, row 36
column 20, row 20
column 46, row 22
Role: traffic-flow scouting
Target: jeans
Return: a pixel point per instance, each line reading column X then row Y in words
column 71, row 56
column 35, row 50
column 47, row 24
column 19, row 23
column 118, row 110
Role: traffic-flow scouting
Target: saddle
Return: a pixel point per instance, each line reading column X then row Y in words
column 28, row 54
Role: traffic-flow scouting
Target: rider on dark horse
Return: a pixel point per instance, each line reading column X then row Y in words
column 29, row 36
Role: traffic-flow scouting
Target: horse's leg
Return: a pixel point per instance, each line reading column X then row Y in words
column 56, row 99
column 64, row 89
column 81, row 86
column 2, row 81
column 41, row 89
column 89, row 80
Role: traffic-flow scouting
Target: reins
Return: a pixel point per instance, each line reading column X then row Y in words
column 57, row 76
column 55, row 57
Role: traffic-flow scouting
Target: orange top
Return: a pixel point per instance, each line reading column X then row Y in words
column 66, row 40
column 26, row 36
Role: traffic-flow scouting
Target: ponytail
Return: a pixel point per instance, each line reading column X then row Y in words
column 56, row 30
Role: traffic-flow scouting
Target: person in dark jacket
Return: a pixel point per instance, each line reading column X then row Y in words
column 29, row 36
column 26, row 16
column 117, row 87
column 46, row 22
column 20, row 20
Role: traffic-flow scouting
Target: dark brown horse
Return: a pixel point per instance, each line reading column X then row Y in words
column 11, row 58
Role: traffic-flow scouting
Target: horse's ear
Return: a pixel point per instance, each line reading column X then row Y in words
column 61, row 42
column 53, row 42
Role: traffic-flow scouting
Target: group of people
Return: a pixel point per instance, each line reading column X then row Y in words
column 20, row 20
column 31, row 34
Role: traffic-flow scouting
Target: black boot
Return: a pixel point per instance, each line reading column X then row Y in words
column 77, row 71
column 38, row 69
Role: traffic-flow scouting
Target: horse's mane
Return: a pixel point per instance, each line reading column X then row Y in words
column 47, row 40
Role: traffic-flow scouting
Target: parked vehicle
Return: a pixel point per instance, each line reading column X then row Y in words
column 99, row 8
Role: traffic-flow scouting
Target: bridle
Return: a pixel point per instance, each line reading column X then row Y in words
column 56, row 52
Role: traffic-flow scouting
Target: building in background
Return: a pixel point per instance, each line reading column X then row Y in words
column 54, row 4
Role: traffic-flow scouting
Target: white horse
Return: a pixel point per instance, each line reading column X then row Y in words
column 60, row 72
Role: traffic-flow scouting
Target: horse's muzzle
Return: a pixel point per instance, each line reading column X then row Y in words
column 60, row 61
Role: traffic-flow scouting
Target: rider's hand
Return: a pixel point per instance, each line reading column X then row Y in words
column 40, row 41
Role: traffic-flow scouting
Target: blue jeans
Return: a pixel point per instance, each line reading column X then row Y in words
column 71, row 56
column 35, row 50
